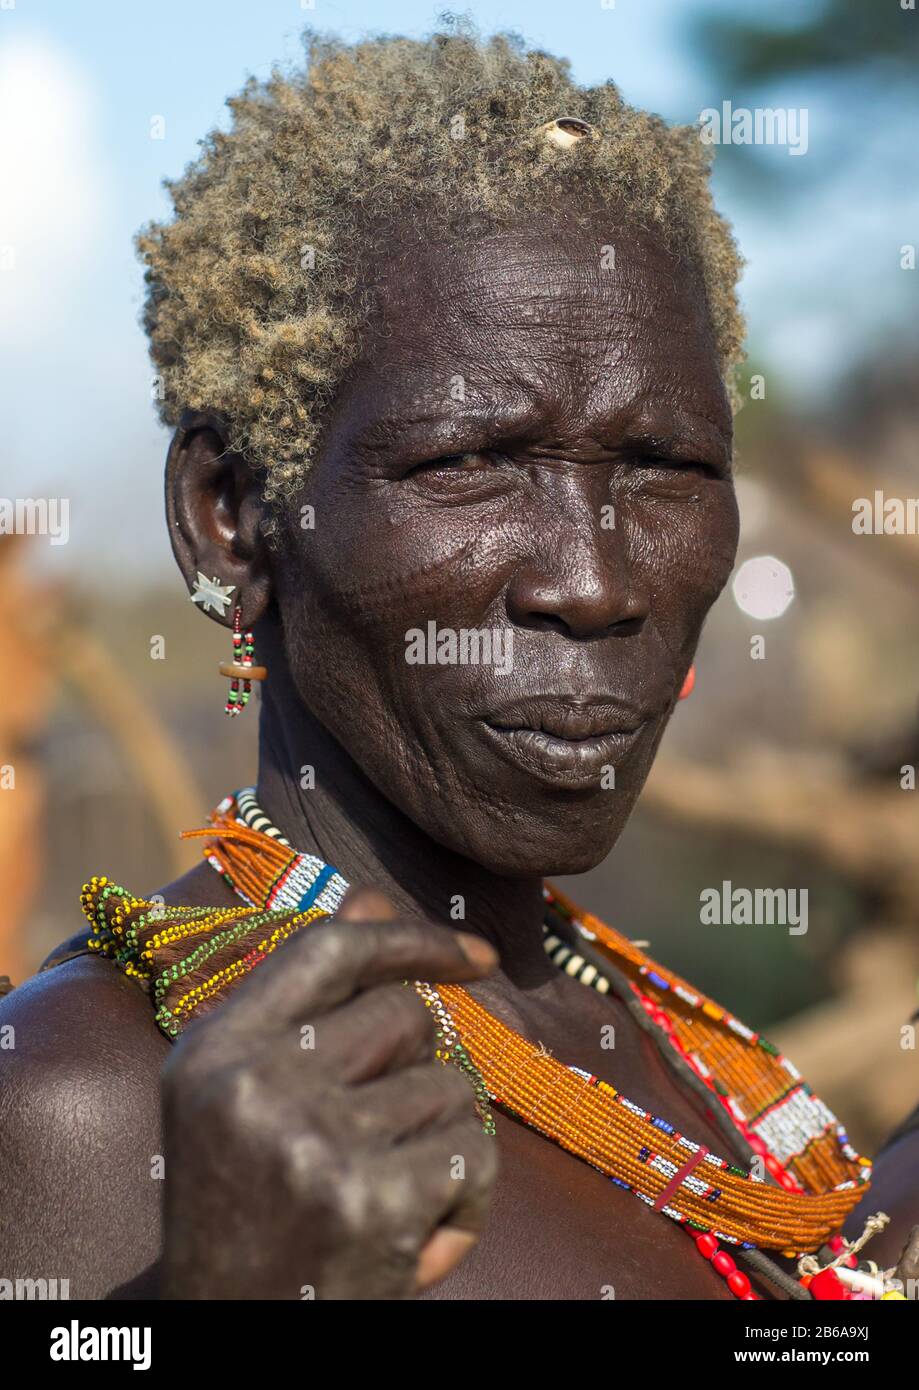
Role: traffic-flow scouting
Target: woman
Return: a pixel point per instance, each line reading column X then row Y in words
column 449, row 345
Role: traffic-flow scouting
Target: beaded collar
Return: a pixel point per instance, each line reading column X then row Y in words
column 810, row 1177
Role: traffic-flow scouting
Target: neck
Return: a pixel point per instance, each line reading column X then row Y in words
column 342, row 818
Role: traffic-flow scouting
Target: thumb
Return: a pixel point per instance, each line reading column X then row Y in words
column 365, row 905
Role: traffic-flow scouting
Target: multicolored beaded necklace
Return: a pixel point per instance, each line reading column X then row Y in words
column 188, row 957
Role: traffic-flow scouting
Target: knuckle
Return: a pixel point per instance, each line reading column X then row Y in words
column 360, row 1204
column 456, row 1091
column 400, row 1011
column 394, row 1194
column 238, row 1093
column 309, row 1164
column 326, row 948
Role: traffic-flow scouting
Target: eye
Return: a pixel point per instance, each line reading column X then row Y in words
column 670, row 478
column 688, row 467
column 468, row 477
column 457, row 463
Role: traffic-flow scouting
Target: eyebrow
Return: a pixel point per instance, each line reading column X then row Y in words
column 473, row 427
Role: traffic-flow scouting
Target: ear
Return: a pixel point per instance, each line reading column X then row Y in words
column 214, row 512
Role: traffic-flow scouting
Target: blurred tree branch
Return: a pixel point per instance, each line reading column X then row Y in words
column 836, row 35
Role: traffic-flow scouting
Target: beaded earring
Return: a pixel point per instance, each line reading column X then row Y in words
column 240, row 670
column 688, row 684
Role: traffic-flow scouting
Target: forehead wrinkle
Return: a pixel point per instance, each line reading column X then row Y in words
column 579, row 364
column 487, row 352
column 527, row 393
column 586, row 344
column 481, row 279
column 479, row 335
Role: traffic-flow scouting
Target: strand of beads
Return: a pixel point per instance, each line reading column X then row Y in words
column 243, row 649
column 723, row 1264
column 450, row 1049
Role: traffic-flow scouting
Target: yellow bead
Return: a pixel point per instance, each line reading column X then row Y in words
column 895, row 1294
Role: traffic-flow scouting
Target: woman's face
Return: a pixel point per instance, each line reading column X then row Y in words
column 533, row 449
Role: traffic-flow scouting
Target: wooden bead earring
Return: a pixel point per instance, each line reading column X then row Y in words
column 240, row 670
column 688, row 684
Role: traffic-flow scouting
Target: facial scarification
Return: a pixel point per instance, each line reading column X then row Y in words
column 584, row 396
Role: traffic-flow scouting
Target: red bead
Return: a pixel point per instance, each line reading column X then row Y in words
column 723, row 1263
column 756, row 1144
column 774, row 1166
column 706, row 1245
column 827, row 1285
column 739, row 1284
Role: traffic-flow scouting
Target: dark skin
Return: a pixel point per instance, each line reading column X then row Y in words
column 333, row 1167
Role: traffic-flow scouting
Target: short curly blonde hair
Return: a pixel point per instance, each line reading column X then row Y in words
column 256, row 294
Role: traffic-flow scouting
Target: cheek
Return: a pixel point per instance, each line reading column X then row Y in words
column 354, row 593
column 386, row 568
column 684, row 552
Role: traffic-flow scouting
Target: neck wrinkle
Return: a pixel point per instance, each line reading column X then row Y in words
column 347, row 822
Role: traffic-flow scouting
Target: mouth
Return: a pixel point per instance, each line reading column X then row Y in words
column 569, row 744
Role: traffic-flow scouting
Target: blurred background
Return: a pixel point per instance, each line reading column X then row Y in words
column 790, row 765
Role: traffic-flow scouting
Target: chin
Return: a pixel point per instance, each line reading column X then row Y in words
column 543, row 850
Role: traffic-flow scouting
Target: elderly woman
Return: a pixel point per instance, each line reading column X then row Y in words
column 448, row 342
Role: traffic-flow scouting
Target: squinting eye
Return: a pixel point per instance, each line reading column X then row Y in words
column 454, row 463
column 683, row 466
column 680, row 466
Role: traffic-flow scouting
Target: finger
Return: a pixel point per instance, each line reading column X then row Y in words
column 459, row 1165
column 379, row 1031
column 397, row 1108
column 365, row 905
column 442, row 1178
column 440, row 1255
column 320, row 967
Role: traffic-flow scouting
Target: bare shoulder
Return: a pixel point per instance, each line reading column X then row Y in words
column 80, row 1134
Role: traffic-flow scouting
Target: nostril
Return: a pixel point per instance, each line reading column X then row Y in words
column 546, row 622
column 575, row 607
column 630, row 627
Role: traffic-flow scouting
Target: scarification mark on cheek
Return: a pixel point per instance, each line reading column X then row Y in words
column 418, row 584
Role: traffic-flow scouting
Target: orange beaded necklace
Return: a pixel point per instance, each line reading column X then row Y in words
column 190, row 958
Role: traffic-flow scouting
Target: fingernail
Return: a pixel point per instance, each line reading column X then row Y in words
column 366, row 905
column 476, row 950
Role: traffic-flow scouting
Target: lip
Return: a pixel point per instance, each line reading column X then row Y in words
column 572, row 720
column 564, row 743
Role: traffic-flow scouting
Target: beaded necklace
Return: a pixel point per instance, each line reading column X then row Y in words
column 189, row 957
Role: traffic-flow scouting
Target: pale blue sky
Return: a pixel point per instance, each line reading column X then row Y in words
column 80, row 81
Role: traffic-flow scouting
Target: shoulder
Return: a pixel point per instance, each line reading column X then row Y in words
column 82, row 1015
column 80, row 1059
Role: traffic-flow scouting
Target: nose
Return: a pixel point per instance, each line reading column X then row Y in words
column 582, row 582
